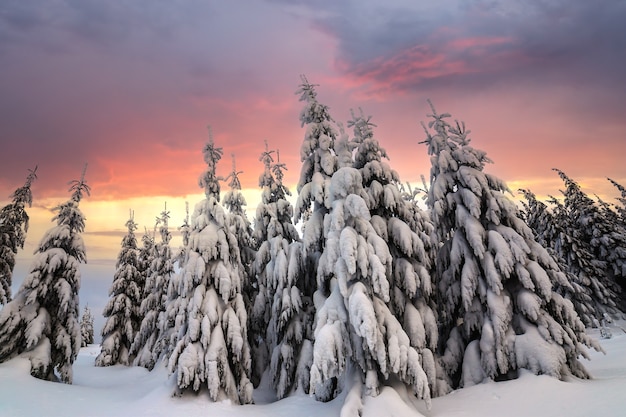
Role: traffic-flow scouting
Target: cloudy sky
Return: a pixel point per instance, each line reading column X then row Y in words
column 130, row 86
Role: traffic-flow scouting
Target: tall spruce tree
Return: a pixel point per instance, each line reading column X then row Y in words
column 498, row 310
column 282, row 312
column 41, row 322
column 122, row 310
column 212, row 352
column 145, row 346
column 357, row 337
column 86, row 327
column 319, row 163
column 407, row 230
column 13, row 228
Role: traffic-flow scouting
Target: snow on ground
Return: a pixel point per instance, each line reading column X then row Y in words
column 133, row 391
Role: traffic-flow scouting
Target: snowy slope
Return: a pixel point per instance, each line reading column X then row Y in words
column 133, row 391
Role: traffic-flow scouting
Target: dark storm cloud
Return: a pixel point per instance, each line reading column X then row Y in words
column 478, row 43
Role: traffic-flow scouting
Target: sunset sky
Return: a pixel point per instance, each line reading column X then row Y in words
column 130, row 86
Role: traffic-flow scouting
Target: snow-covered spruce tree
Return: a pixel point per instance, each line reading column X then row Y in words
column 605, row 241
column 144, row 348
column 358, row 339
column 552, row 231
column 41, row 322
column 319, row 163
column 172, row 318
column 86, row 327
column 498, row 312
column 282, row 313
column 212, row 352
column 122, row 310
column 407, row 231
column 145, row 258
column 13, row 228
column 621, row 209
column 235, row 203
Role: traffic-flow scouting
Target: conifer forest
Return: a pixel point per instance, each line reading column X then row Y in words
column 353, row 282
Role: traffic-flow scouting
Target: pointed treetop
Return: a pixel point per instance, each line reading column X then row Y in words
column 23, row 195
column 278, row 169
column 361, row 124
column 78, row 187
column 233, row 178
column 212, row 154
column 130, row 224
column 266, row 156
column 32, row 176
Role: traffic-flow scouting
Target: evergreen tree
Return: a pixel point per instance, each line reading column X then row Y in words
column 498, row 310
column 145, row 346
column 212, row 352
column 357, row 336
column 172, row 318
column 86, row 328
column 42, row 320
column 145, row 258
column 553, row 230
column 319, row 163
column 622, row 199
column 407, row 230
column 122, row 310
column 606, row 241
column 235, row 202
column 282, row 313
column 13, row 228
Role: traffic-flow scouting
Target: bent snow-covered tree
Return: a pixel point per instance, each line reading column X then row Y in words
column 606, row 241
column 13, row 228
column 282, row 311
column 122, row 310
column 41, row 322
column 498, row 310
column 212, row 352
column 554, row 230
column 86, row 327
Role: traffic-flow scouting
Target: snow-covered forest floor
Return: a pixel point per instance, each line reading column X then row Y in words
column 133, row 391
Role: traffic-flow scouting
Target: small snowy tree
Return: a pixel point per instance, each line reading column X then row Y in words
column 235, row 202
column 171, row 319
column 282, row 313
column 212, row 352
column 498, row 310
column 86, row 328
column 122, row 310
column 41, row 322
column 145, row 346
column 13, row 228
